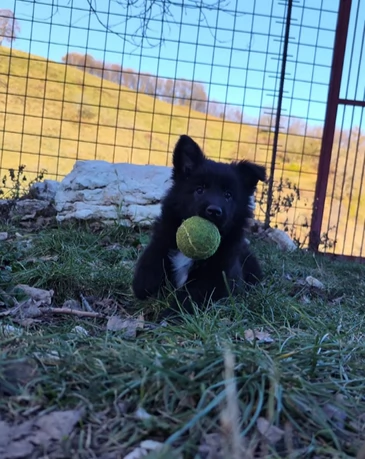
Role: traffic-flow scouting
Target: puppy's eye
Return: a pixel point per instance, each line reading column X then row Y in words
column 199, row 190
column 228, row 195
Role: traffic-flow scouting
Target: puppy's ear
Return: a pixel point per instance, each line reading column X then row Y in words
column 187, row 156
column 250, row 174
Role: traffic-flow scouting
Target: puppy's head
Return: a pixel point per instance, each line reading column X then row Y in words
column 219, row 192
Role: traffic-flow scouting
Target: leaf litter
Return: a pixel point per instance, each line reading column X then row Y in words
column 20, row 440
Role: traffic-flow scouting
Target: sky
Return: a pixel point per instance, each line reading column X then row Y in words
column 235, row 52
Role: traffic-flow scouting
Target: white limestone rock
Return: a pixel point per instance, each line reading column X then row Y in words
column 98, row 190
column 45, row 190
column 282, row 239
column 313, row 282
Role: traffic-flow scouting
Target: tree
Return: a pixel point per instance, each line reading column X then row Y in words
column 233, row 114
column 115, row 72
column 183, row 92
column 199, row 97
column 9, row 26
column 84, row 62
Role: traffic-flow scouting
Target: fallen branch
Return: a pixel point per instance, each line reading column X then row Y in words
column 12, row 311
column 73, row 312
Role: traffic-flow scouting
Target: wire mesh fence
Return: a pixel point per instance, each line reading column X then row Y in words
column 121, row 81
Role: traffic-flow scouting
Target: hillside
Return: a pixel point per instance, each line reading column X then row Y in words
column 52, row 114
column 53, row 110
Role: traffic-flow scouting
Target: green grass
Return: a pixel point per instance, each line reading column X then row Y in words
column 309, row 381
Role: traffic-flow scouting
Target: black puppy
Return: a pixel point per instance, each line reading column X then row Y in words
column 219, row 192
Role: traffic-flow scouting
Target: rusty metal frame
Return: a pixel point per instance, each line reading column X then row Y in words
column 333, row 102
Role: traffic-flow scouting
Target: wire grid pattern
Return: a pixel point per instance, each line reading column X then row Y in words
column 120, row 82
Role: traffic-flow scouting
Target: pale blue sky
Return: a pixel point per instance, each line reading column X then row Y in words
column 234, row 55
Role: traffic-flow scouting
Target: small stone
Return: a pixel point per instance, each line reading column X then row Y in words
column 9, row 331
column 72, row 304
column 313, row 282
column 80, row 331
column 142, row 414
column 4, row 236
column 282, row 239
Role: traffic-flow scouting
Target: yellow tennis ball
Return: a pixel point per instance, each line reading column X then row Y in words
column 198, row 238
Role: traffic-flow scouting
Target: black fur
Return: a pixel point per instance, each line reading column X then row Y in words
column 216, row 191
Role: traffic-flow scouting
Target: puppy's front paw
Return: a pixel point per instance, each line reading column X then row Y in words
column 181, row 304
column 169, row 314
column 146, row 282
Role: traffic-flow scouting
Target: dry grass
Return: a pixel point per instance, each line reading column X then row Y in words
column 54, row 114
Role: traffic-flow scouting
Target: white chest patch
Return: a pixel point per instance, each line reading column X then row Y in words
column 181, row 265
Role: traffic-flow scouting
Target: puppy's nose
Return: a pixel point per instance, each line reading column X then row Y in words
column 214, row 211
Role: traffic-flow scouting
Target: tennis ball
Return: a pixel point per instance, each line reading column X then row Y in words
column 198, row 238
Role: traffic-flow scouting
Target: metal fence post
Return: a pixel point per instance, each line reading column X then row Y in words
column 278, row 113
column 330, row 123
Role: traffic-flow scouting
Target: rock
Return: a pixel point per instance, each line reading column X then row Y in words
column 4, row 236
column 29, row 209
column 313, row 282
column 46, row 190
column 98, row 190
column 39, row 295
column 8, row 330
column 282, row 239
column 5, row 206
column 80, row 331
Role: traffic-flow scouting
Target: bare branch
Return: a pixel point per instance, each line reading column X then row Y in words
column 149, row 11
